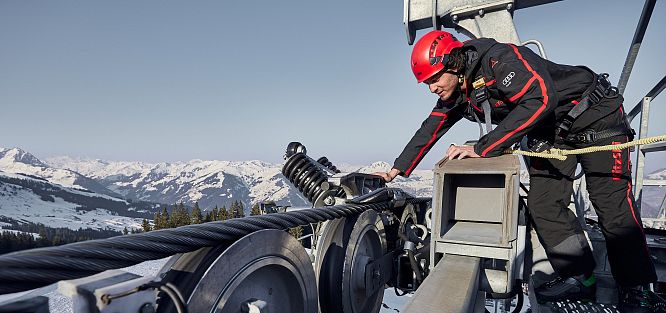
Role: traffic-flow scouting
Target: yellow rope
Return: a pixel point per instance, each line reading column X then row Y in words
column 562, row 154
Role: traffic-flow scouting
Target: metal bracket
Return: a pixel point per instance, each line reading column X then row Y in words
column 378, row 273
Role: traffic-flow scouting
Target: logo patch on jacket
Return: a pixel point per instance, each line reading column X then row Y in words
column 507, row 80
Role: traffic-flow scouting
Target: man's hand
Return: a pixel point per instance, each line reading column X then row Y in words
column 461, row 152
column 388, row 176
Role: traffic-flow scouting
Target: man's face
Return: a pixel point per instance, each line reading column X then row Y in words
column 443, row 84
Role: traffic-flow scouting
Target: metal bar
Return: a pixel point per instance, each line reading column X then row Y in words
column 653, row 93
column 654, row 147
column 539, row 45
column 662, row 209
column 451, row 287
column 636, row 44
column 654, row 182
column 640, row 155
column 522, row 4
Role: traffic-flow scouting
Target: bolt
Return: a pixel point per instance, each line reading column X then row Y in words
column 329, row 200
column 481, row 12
column 509, row 6
column 454, row 18
column 147, row 308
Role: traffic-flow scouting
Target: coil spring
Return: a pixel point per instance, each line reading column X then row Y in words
column 306, row 174
column 339, row 192
column 325, row 162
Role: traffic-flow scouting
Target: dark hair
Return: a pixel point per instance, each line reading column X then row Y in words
column 457, row 60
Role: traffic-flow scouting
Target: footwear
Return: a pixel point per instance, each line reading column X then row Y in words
column 639, row 299
column 567, row 288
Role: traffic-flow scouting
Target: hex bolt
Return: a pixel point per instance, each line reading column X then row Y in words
column 509, row 6
column 481, row 12
column 455, row 18
column 329, row 200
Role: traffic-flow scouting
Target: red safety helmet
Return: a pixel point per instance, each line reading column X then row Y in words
column 431, row 52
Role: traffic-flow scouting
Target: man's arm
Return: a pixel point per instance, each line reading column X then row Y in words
column 530, row 89
column 432, row 129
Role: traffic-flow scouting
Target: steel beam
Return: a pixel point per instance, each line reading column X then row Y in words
column 451, row 287
column 636, row 44
column 640, row 155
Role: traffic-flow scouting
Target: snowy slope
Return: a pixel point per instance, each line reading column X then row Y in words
column 36, row 200
column 17, row 161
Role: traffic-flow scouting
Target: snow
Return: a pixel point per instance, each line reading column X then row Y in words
column 21, row 203
column 35, row 235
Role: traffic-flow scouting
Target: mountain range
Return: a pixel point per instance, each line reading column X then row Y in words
column 74, row 193
column 84, row 193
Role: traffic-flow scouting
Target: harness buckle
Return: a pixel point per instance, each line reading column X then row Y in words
column 588, row 136
column 481, row 94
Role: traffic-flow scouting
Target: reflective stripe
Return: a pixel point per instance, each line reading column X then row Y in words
column 522, row 91
column 536, row 114
column 432, row 139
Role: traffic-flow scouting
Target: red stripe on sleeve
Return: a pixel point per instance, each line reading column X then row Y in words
column 432, row 139
column 490, row 83
column 523, row 91
column 534, row 116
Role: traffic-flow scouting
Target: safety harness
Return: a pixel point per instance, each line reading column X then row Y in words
column 601, row 89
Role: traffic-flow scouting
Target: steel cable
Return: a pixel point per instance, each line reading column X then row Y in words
column 29, row 269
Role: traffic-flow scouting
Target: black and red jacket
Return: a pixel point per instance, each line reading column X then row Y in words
column 528, row 95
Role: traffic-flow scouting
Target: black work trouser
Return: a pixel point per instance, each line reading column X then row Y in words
column 608, row 178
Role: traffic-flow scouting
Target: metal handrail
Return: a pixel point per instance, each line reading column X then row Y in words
column 653, row 93
column 635, row 44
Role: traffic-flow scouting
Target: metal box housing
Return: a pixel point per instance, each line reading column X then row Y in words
column 475, row 213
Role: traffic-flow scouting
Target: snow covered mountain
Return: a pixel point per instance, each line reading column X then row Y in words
column 17, row 161
column 208, row 182
column 33, row 199
column 213, row 182
column 33, row 191
column 64, row 189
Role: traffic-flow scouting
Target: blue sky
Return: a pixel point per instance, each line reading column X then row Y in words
column 238, row 80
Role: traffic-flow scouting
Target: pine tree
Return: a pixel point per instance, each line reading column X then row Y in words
column 196, row 214
column 223, row 214
column 237, row 209
column 166, row 219
column 183, row 217
column 158, row 221
column 255, row 210
column 214, row 214
column 146, row 225
column 125, row 231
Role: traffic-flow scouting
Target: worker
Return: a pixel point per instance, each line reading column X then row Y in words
column 520, row 94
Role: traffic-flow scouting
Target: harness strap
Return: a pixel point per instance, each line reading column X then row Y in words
column 478, row 121
column 485, row 105
column 601, row 88
column 591, row 136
